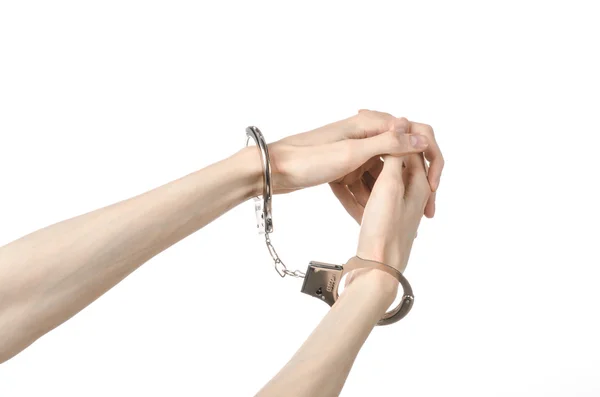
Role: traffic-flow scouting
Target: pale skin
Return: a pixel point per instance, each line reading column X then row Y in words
column 389, row 225
column 50, row 275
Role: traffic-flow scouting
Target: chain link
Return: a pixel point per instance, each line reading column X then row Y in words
column 263, row 208
column 280, row 267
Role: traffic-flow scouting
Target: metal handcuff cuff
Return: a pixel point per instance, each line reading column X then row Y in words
column 321, row 280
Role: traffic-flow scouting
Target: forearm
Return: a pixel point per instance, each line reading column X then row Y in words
column 51, row 274
column 321, row 365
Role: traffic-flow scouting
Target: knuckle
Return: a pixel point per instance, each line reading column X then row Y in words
column 403, row 121
column 403, row 124
column 397, row 142
column 438, row 162
column 371, row 121
column 376, row 113
column 428, row 129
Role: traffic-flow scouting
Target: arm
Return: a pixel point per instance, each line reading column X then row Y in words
column 50, row 275
column 389, row 223
column 53, row 273
column 321, row 365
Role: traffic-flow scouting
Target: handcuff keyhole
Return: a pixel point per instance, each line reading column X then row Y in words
column 319, row 291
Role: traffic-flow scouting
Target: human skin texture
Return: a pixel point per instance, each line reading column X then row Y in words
column 53, row 273
column 389, row 224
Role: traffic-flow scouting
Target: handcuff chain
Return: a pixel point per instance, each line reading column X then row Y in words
column 280, row 267
column 263, row 208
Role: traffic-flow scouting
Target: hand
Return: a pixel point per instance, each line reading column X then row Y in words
column 356, row 187
column 344, row 150
column 394, row 210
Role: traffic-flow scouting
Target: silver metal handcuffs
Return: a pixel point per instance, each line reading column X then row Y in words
column 321, row 280
column 262, row 206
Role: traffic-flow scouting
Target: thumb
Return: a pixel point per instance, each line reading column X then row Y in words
column 393, row 142
column 329, row 162
column 350, row 154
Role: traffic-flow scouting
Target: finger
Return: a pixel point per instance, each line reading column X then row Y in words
column 365, row 124
column 331, row 162
column 433, row 154
column 418, row 188
column 396, row 143
column 368, row 123
column 430, row 206
column 348, row 201
column 392, row 174
column 360, row 192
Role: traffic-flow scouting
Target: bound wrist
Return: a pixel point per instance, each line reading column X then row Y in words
column 249, row 165
column 379, row 253
column 373, row 282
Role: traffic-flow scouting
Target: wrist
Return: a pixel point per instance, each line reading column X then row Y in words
column 380, row 253
column 249, row 165
column 373, row 283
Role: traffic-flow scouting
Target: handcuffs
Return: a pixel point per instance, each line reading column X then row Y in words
column 321, row 280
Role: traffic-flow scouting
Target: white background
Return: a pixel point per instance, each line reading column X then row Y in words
column 100, row 101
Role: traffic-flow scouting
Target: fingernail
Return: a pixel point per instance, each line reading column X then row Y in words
column 418, row 141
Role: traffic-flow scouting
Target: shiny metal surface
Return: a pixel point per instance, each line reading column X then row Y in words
column 322, row 282
column 262, row 206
